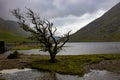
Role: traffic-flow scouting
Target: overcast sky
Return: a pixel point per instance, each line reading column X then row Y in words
column 65, row 14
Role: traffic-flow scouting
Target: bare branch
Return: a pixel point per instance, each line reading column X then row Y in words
column 54, row 30
column 67, row 38
column 43, row 31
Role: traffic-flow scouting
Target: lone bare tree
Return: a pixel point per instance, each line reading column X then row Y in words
column 43, row 31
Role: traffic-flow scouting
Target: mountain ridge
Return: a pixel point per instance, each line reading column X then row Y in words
column 104, row 29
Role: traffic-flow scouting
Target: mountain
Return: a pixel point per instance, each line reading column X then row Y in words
column 103, row 29
column 11, row 32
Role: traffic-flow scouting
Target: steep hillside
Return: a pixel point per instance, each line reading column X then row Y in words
column 11, row 32
column 105, row 28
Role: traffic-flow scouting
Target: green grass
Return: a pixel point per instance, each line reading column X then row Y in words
column 69, row 64
column 25, row 47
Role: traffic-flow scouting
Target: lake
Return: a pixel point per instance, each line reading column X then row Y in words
column 81, row 48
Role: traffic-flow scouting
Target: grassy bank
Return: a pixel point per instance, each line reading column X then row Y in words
column 71, row 64
column 68, row 64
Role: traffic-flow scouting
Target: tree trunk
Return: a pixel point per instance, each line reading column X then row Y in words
column 52, row 57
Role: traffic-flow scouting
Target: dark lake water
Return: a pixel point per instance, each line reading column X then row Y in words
column 81, row 48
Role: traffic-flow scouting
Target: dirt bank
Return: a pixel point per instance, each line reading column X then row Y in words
column 13, row 63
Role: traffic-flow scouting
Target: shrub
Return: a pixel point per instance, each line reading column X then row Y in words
column 13, row 55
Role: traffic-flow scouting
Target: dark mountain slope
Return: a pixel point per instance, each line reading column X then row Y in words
column 105, row 28
column 11, row 32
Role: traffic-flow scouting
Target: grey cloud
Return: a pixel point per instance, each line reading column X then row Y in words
column 84, row 6
column 56, row 8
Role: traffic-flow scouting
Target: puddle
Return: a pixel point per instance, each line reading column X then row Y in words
column 10, row 71
column 101, row 75
column 31, row 74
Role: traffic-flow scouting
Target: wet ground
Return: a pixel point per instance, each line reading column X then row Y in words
column 31, row 74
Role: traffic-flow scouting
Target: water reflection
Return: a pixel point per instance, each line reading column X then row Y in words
column 30, row 74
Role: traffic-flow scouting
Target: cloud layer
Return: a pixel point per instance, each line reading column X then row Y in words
column 64, row 13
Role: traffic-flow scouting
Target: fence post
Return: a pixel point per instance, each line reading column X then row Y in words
column 2, row 46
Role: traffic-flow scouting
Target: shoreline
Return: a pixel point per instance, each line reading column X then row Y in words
column 74, row 65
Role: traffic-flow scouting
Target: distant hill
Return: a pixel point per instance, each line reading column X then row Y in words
column 105, row 28
column 11, row 32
